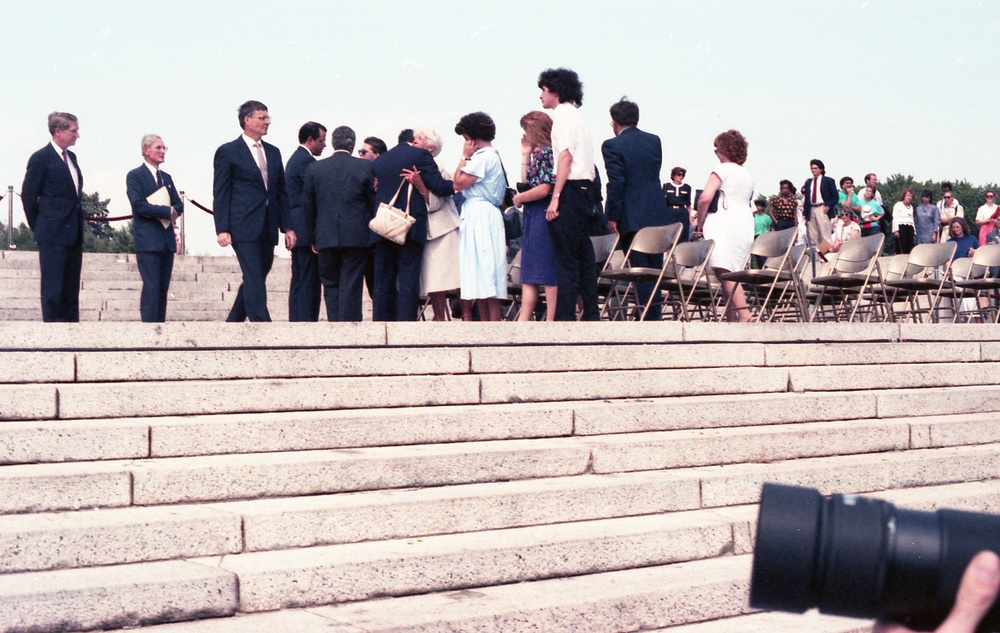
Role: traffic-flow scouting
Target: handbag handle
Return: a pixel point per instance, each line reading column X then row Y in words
column 409, row 197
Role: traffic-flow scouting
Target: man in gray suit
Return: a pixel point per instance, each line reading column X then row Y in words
column 338, row 201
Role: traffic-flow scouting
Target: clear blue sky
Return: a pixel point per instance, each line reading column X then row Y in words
column 889, row 86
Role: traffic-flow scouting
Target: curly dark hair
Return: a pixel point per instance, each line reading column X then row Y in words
column 478, row 126
column 733, row 145
column 564, row 82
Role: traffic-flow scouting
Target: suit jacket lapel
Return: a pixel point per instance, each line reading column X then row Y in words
column 249, row 158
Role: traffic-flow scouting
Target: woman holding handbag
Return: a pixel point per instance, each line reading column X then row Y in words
column 439, row 271
column 482, row 252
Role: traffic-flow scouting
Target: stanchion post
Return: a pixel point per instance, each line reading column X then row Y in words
column 10, row 217
column 183, row 240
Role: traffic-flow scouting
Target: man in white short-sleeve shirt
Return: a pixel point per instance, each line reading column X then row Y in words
column 573, row 196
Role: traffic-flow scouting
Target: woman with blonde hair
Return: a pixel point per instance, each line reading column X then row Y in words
column 537, row 179
column 439, row 269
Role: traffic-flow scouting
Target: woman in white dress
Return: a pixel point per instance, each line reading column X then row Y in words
column 439, row 269
column 732, row 225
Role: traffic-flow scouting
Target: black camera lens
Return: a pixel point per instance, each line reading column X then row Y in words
column 864, row 558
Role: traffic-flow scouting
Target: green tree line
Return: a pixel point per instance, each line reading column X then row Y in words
column 99, row 237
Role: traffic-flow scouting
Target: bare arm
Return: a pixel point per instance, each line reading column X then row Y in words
column 564, row 162
column 713, row 184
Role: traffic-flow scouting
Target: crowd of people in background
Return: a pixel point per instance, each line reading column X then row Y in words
column 462, row 217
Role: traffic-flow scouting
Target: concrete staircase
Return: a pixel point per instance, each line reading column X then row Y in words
column 457, row 476
column 201, row 289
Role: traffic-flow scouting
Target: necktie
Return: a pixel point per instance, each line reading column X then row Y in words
column 815, row 182
column 261, row 162
column 66, row 160
column 159, row 179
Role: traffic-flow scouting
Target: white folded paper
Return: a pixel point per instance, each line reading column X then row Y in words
column 160, row 198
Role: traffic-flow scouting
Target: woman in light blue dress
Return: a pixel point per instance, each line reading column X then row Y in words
column 483, row 249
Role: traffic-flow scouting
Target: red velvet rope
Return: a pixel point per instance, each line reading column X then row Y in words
column 99, row 218
column 201, row 206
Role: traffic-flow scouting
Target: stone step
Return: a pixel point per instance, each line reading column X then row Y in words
column 638, row 599
column 360, row 571
column 703, row 447
column 135, row 534
column 772, row 622
column 633, row 600
column 738, row 484
column 178, row 335
column 71, row 486
column 125, row 535
column 53, row 487
column 137, row 399
column 115, row 597
column 78, row 440
column 64, row 540
column 429, row 334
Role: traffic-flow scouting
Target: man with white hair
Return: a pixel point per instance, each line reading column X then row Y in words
column 153, row 228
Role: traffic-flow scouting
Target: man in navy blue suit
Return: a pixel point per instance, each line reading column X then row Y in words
column 338, row 201
column 397, row 267
column 635, row 196
column 304, row 291
column 153, row 228
column 250, row 206
column 51, row 194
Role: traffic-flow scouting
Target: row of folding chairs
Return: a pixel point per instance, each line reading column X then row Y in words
column 854, row 284
column 927, row 285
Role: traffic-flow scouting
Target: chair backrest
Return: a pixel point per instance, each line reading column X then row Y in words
column 514, row 270
column 966, row 268
column 987, row 255
column 858, row 254
column 656, row 240
column 773, row 243
column 895, row 267
column 604, row 248
column 925, row 258
column 693, row 254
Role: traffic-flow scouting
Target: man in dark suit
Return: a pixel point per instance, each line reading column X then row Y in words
column 819, row 204
column 304, row 291
column 635, row 196
column 250, row 206
column 338, row 201
column 397, row 267
column 51, row 194
column 153, row 228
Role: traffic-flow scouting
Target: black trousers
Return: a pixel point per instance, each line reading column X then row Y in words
column 397, row 281
column 304, row 291
column 574, row 252
column 255, row 260
column 60, row 289
column 342, row 271
column 906, row 239
column 780, row 224
column 155, row 268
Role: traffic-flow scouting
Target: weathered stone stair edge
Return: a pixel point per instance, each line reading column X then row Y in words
column 54, row 487
column 72, row 591
column 19, row 335
column 59, row 441
column 152, row 399
column 50, row 541
column 220, row 364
